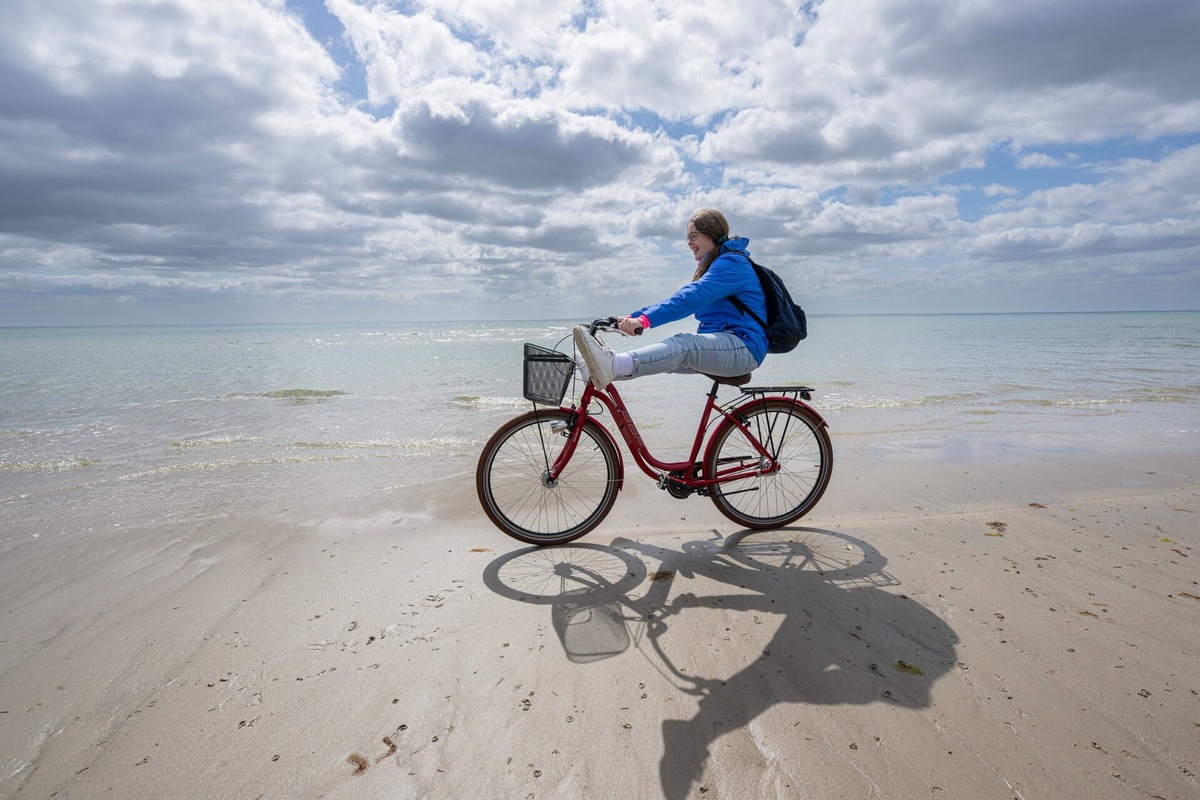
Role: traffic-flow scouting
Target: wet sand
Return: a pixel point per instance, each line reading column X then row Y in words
column 972, row 630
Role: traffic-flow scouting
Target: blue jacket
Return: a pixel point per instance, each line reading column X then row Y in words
column 708, row 299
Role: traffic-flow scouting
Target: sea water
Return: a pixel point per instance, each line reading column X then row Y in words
column 111, row 426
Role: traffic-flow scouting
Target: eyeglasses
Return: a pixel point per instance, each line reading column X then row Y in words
column 692, row 237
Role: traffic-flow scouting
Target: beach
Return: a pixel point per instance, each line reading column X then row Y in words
column 993, row 633
column 1003, row 611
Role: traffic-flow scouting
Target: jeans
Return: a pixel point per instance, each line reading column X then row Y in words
column 722, row 354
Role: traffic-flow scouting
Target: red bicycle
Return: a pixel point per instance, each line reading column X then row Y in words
column 551, row 475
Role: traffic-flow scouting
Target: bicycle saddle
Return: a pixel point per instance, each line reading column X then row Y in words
column 736, row 380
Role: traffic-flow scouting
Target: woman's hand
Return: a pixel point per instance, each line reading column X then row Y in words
column 630, row 325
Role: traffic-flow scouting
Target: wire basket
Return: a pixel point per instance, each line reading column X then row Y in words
column 547, row 373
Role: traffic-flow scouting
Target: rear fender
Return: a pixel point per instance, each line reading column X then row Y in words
column 810, row 409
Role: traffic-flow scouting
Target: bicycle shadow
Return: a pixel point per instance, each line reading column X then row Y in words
column 585, row 586
column 843, row 639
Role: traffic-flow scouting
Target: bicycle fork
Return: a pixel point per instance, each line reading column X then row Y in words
column 572, row 429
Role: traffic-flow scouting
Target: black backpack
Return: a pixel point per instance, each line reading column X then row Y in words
column 786, row 324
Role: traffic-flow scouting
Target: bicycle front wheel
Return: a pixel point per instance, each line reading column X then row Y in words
column 515, row 490
column 797, row 440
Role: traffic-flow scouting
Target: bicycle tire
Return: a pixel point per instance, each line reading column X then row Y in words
column 510, row 479
column 797, row 439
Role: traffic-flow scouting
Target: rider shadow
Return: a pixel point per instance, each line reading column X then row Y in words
column 843, row 639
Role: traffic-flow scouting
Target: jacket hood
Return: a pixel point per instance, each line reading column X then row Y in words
column 735, row 243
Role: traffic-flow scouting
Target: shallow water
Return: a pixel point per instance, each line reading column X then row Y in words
column 110, row 426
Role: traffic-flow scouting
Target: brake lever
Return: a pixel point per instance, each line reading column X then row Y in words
column 615, row 324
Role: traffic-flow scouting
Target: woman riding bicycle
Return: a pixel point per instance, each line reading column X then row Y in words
column 727, row 342
column 763, row 458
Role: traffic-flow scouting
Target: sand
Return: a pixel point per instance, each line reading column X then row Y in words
column 977, row 630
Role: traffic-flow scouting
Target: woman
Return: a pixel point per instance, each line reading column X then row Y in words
column 727, row 342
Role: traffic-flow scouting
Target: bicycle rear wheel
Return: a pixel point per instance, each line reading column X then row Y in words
column 518, row 496
column 796, row 438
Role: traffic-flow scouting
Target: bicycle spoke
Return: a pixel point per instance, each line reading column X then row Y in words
column 514, row 488
column 798, row 444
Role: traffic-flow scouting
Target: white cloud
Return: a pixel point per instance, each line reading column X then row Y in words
column 407, row 55
column 999, row 190
column 1039, row 161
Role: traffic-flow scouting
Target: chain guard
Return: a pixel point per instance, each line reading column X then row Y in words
column 674, row 487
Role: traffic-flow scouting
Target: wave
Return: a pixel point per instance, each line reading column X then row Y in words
column 478, row 403
column 302, row 394
column 983, row 402
column 444, row 449
column 56, row 465
column 213, row 441
column 836, row 402
column 1082, row 402
column 433, row 444
column 294, row 395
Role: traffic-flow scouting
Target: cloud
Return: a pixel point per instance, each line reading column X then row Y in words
column 999, row 190
column 213, row 154
column 538, row 150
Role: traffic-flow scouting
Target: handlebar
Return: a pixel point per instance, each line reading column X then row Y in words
column 611, row 324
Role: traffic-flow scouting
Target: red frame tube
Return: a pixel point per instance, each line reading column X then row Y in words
column 610, row 398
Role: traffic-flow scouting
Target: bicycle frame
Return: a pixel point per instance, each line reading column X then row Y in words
column 682, row 472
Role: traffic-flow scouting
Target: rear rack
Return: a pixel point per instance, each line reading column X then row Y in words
column 804, row 392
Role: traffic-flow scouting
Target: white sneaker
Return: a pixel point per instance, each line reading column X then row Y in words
column 598, row 357
column 582, row 366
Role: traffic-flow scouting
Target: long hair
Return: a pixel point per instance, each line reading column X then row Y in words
column 711, row 223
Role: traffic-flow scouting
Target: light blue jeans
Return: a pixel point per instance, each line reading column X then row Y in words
column 722, row 354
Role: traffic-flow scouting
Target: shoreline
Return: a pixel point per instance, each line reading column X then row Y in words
column 985, row 629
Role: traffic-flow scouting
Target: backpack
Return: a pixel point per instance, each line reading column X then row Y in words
column 786, row 324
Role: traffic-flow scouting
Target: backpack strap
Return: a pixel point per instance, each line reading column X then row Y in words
column 737, row 301
column 733, row 298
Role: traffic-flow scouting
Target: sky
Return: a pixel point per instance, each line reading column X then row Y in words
column 231, row 161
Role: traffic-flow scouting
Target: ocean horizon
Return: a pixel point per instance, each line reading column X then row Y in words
column 571, row 321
